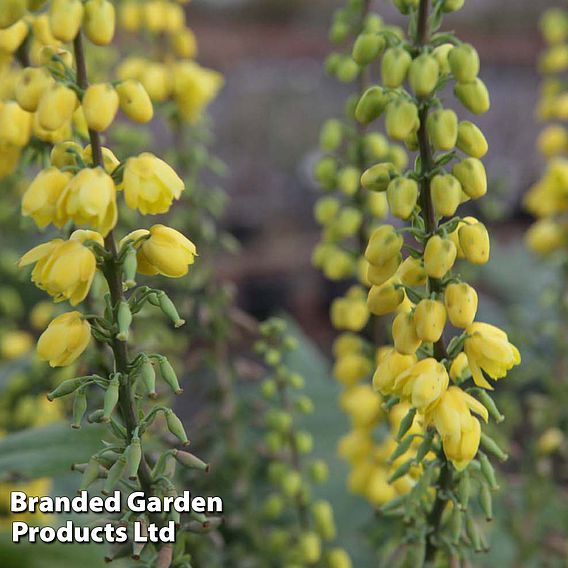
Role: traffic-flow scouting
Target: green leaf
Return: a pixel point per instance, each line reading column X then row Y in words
column 47, row 451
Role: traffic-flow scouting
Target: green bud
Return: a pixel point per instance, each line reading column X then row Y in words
column 404, row 6
column 331, row 135
column 324, row 522
column 133, row 453
column 415, row 555
column 376, row 145
column 278, row 420
column 464, row 490
column 423, row 74
column 190, row 461
column 114, row 475
column 276, row 472
column 400, row 471
column 398, row 156
column 474, row 96
column 372, row 23
column 148, row 376
column 379, row 176
column 486, row 501
column 291, row 483
column 348, row 180
column 95, row 416
column 304, row 404
column 347, row 70
column 129, row 266
column 442, row 126
column 269, row 389
column 90, row 475
column 319, row 472
column 446, row 192
column 339, row 558
column 349, row 221
column 401, row 448
column 488, row 471
column 452, row 5
column 310, row 546
column 464, row 63
column 402, row 194
column 456, row 525
column 406, row 424
column 124, row 319
column 111, row 397
column 137, row 546
column 367, row 48
column 169, row 309
column 473, row 533
column 67, row 387
column 325, row 172
column 332, row 62
column 471, row 140
column 296, row 381
column 377, row 205
column 394, row 67
column 339, row 31
column 175, row 426
column 371, row 104
column 273, row 506
column 401, row 119
column 79, row 407
column 169, row 375
column 470, row 172
column 274, row 442
column 304, row 442
column 485, row 398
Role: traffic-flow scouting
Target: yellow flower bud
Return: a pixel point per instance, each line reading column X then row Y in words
column 99, row 21
column 351, row 312
column 348, row 179
column 461, row 304
column 362, row 404
column 16, row 124
column 404, row 334
column 371, row 104
column 376, row 145
column 385, row 298
column 31, row 85
column 474, row 241
column 378, row 274
column 401, row 119
column 553, row 140
column 135, row 101
column 150, row 185
column 346, row 344
column 352, row 368
column 441, row 55
column 184, row 44
column 473, row 96
column 430, row 320
column 423, row 384
column 65, row 17
column 64, row 269
column 55, row 58
column 378, row 490
column 331, row 135
column 412, row 273
column 89, row 198
column 378, row 177
column 42, row 31
column 367, row 48
column 488, row 349
column 392, row 365
column 423, row 74
column 56, row 106
column 65, row 154
column 9, row 159
column 66, row 337
column 11, row 11
column 41, row 197
column 100, row 104
column 326, row 209
column 384, row 244
column 377, row 205
column 310, row 547
column 550, row 441
column 130, row 15
column 402, row 194
column 12, row 37
column 394, row 67
column 157, row 81
column 452, row 5
column 471, row 174
column 546, row 236
column 15, row 344
column 442, row 128
column 464, row 63
column 439, row 256
column 553, row 25
column 110, row 161
column 41, row 314
column 446, row 192
column 459, row 369
column 338, row 558
column 471, row 140
column 165, row 251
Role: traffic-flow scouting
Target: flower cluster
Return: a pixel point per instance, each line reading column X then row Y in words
column 79, row 186
column 174, row 75
column 307, row 541
column 547, row 199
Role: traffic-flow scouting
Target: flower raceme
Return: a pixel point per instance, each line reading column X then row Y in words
column 64, row 269
column 65, row 338
column 162, row 250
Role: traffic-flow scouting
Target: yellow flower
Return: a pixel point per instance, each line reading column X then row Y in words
column 460, row 431
column 99, row 21
column 89, row 198
column 392, row 364
column 423, row 383
column 488, row 349
column 194, row 88
column 150, row 185
column 165, row 251
column 135, row 101
column 100, row 105
column 430, row 319
column 65, row 338
column 40, row 200
column 14, row 344
column 56, row 106
column 64, row 269
column 461, row 304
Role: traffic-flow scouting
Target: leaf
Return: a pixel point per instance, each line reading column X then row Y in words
column 47, row 451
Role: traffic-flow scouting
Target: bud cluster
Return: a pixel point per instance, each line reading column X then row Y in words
column 308, row 540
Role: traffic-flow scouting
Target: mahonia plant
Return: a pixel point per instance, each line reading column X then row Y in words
column 348, row 217
column 548, row 235
column 300, row 529
column 79, row 187
column 442, row 430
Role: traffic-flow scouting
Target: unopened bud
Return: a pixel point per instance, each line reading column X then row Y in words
column 367, row 48
column 371, row 105
column 190, row 461
column 133, row 455
column 169, row 375
column 168, row 307
column 79, row 407
column 175, row 426
column 114, row 475
column 123, row 319
column 394, row 67
column 110, row 398
column 90, row 475
column 401, row 119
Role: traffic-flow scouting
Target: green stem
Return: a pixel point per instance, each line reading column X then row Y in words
column 113, row 275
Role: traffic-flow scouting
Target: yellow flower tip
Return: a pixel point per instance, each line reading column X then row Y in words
column 179, row 323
